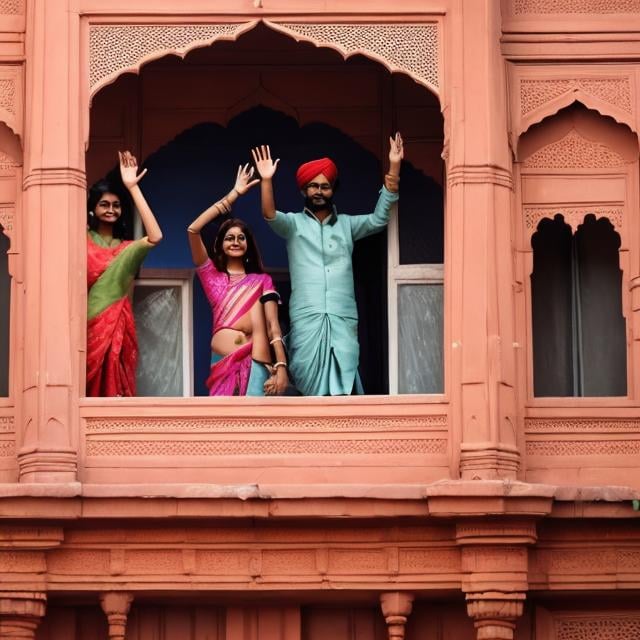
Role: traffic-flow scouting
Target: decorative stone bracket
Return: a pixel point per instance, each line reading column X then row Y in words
column 495, row 613
column 396, row 608
column 116, row 607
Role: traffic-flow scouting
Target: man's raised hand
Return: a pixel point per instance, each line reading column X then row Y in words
column 396, row 148
column 264, row 164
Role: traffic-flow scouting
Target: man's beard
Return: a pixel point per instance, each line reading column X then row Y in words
column 326, row 205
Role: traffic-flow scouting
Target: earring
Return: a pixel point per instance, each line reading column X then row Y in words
column 91, row 214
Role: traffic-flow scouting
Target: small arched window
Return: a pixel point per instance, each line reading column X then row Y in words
column 579, row 345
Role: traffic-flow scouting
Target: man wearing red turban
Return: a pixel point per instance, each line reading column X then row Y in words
column 323, row 341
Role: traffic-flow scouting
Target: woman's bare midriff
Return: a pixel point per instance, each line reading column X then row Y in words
column 250, row 327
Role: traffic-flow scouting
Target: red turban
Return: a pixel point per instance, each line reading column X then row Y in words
column 309, row 170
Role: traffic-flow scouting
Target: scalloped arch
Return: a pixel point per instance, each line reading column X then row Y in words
column 413, row 49
column 552, row 107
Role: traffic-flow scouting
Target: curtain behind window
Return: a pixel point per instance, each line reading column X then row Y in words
column 579, row 346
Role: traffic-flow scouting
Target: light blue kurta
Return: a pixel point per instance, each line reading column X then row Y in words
column 323, row 341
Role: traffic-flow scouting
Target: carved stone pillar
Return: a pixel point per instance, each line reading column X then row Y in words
column 20, row 614
column 494, row 613
column 54, row 210
column 116, row 607
column 634, row 287
column 480, row 183
column 495, row 564
column 396, row 607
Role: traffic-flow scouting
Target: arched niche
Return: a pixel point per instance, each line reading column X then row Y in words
column 568, row 164
column 216, row 85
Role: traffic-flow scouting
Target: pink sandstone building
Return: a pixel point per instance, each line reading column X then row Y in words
column 484, row 488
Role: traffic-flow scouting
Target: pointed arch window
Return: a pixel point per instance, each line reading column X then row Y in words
column 579, row 345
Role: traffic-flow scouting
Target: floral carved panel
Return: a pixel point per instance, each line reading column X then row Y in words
column 410, row 48
column 10, row 94
column 573, row 216
column 606, row 627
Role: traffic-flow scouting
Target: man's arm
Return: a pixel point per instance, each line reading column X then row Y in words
column 266, row 169
column 362, row 226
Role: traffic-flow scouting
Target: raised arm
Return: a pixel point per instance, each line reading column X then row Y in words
column 396, row 153
column 130, row 179
column 243, row 183
column 266, row 169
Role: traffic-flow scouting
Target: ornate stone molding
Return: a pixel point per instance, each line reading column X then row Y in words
column 409, row 48
column 489, row 462
column 480, row 175
column 244, row 447
column 573, row 7
column 620, row 447
column 55, row 176
column 285, row 424
column 7, row 423
column 574, row 152
column 573, row 216
column 581, row 425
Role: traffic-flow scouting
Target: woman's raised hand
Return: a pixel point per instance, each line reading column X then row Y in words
column 243, row 179
column 264, row 164
column 129, row 169
column 396, row 148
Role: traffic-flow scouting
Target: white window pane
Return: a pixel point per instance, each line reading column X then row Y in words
column 420, row 337
column 158, row 314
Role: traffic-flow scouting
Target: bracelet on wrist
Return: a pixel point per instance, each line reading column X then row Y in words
column 276, row 365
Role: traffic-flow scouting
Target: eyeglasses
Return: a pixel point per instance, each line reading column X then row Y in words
column 105, row 204
column 325, row 186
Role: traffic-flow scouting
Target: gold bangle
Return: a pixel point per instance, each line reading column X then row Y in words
column 276, row 339
column 392, row 178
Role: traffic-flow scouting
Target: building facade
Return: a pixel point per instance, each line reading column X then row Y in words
column 486, row 489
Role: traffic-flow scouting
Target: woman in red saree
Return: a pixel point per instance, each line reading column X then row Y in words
column 244, row 304
column 112, row 348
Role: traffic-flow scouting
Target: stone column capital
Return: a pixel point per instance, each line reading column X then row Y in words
column 396, row 608
column 115, row 605
column 21, row 613
column 495, row 613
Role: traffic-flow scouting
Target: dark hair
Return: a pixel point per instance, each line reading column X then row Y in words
column 120, row 226
column 252, row 260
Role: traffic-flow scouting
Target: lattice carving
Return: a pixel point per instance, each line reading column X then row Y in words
column 116, row 48
column 574, row 217
column 265, row 425
column 222, row 562
column 11, row 7
column 605, row 628
column 8, row 95
column 261, row 447
column 574, row 152
column 78, row 562
column 583, row 447
column 628, row 560
column 151, row 562
column 615, row 91
column 413, row 48
column 7, row 449
column 581, row 561
column 350, row 560
column 581, row 425
column 575, row 6
column 7, row 423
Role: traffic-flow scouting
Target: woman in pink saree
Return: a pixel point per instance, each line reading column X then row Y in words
column 246, row 330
